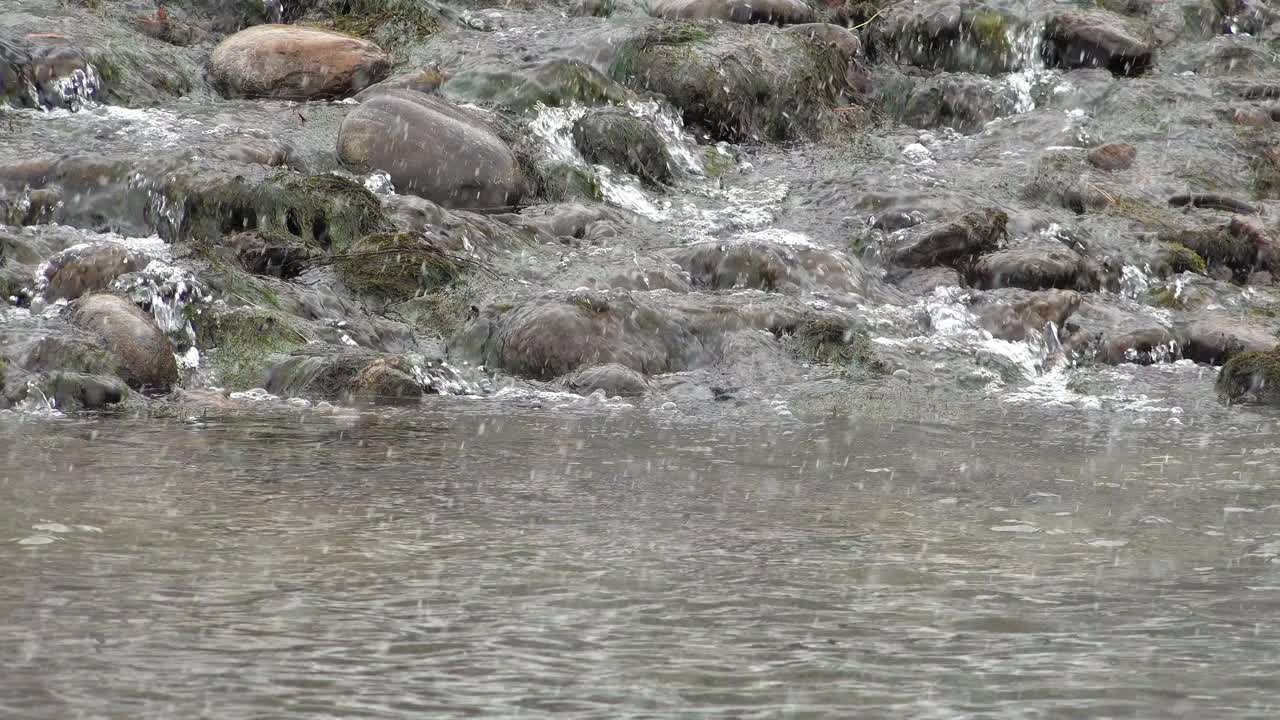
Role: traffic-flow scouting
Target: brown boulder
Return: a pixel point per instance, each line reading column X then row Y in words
column 146, row 358
column 287, row 62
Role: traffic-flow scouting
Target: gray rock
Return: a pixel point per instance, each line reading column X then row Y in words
column 954, row 243
column 1099, row 39
column 624, row 142
column 769, row 266
column 1036, row 266
column 1214, row 339
column 431, row 148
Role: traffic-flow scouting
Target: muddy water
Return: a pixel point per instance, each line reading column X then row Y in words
column 448, row 563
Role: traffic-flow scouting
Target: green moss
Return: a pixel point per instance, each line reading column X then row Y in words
column 1147, row 214
column 389, row 23
column 832, row 342
column 1163, row 297
column 674, row 34
column 1181, row 258
column 397, row 266
column 1251, row 377
column 990, row 30
column 716, row 163
column 242, row 341
column 561, row 182
column 555, row 83
column 326, row 212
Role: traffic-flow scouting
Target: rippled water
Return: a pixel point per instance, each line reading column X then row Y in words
column 457, row 562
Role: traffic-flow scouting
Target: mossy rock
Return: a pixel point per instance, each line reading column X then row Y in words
column 397, row 266
column 832, row 341
column 1251, row 377
column 977, row 38
column 326, row 212
column 624, row 142
column 717, row 163
column 1179, row 258
column 241, row 343
column 389, row 23
column 562, row 182
column 742, row 83
column 555, row 83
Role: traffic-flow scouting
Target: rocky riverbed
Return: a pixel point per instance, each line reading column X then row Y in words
column 771, row 207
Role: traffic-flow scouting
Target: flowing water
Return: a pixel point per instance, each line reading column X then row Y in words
column 988, row 525
column 448, row 563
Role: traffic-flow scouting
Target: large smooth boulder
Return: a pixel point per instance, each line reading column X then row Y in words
column 146, row 358
column 431, row 148
column 288, row 62
column 777, row 12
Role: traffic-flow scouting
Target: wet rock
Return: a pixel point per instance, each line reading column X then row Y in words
column 965, row 103
column 953, row 243
column 1036, row 266
column 1099, row 39
column 74, row 392
column 1015, row 321
column 833, row 35
column 1251, row 377
column 336, row 373
column 560, row 333
column 591, row 8
column 613, row 379
column 923, row 281
column 84, row 269
column 431, row 148
column 262, row 151
column 31, row 207
column 286, row 62
column 740, row 83
column 1114, row 156
column 1065, row 179
column 768, row 266
column 1243, row 245
column 1213, row 201
column 655, row 278
column 241, row 343
column 398, row 266
column 1142, row 347
column 624, row 142
column 946, row 35
column 1214, row 339
column 47, row 70
column 279, row 255
column 426, row 80
column 554, row 83
column 146, row 359
column 777, row 12
column 835, row 341
column 232, row 15
column 323, row 212
column 166, row 27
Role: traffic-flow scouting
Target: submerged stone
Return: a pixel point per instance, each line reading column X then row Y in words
column 777, row 12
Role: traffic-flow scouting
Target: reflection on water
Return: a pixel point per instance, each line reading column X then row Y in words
column 424, row 565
